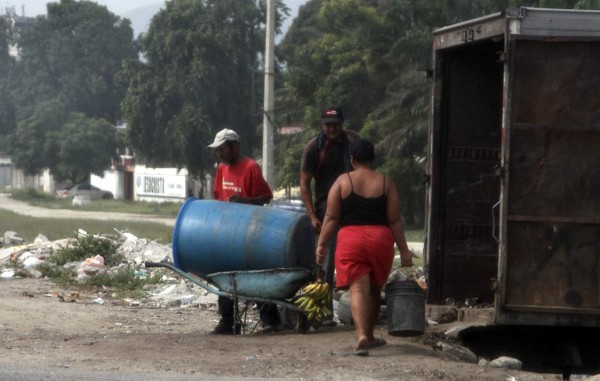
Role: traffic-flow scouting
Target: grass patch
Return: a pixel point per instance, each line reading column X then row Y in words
column 46, row 200
column 58, row 228
column 414, row 235
column 58, row 274
column 82, row 247
column 126, row 281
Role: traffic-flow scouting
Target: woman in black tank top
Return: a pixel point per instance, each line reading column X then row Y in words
column 366, row 206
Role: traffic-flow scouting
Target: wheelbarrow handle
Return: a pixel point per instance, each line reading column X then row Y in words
column 214, row 290
column 187, row 276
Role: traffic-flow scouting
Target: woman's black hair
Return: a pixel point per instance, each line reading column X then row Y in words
column 362, row 151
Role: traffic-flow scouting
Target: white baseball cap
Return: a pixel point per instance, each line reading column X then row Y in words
column 225, row 135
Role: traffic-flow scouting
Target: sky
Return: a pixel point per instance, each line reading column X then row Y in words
column 119, row 7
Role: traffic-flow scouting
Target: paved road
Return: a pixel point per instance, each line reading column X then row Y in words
column 25, row 209
column 20, row 372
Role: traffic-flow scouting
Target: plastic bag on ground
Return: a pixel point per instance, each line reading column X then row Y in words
column 91, row 266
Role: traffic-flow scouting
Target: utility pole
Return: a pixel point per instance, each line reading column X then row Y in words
column 268, row 103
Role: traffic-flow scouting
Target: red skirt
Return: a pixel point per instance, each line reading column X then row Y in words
column 361, row 250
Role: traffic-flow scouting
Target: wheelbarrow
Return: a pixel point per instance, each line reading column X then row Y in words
column 278, row 286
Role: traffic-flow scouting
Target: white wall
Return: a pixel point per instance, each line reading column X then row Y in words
column 43, row 182
column 111, row 181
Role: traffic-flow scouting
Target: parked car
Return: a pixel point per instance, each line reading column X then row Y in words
column 93, row 192
column 294, row 204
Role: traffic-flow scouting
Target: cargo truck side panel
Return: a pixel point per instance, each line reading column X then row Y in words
column 552, row 257
column 513, row 193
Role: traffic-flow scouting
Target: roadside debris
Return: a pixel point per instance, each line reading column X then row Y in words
column 19, row 258
column 91, row 266
column 506, row 362
column 12, row 238
column 458, row 352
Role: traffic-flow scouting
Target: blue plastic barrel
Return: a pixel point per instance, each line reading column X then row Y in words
column 214, row 236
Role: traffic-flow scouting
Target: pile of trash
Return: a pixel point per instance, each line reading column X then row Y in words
column 19, row 258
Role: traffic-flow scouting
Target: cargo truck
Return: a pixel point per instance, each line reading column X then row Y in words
column 513, row 182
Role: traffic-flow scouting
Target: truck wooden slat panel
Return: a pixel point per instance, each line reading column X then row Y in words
column 555, row 173
column 556, row 82
column 553, row 265
column 552, row 255
column 513, row 188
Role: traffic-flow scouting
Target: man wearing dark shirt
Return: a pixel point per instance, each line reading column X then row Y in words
column 325, row 157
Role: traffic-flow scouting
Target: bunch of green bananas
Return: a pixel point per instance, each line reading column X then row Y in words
column 314, row 299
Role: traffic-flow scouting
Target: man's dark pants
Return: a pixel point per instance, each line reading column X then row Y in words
column 268, row 312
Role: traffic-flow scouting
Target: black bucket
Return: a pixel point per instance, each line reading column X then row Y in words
column 405, row 308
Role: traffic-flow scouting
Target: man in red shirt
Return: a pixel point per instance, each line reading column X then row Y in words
column 239, row 179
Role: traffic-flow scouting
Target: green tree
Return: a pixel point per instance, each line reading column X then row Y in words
column 82, row 146
column 32, row 151
column 73, row 55
column 198, row 77
column 336, row 58
column 70, row 144
column 65, row 87
column 344, row 51
column 7, row 108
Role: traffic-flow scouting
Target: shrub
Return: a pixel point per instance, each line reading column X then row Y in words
column 85, row 246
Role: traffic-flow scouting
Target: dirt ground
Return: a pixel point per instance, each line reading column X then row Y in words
column 36, row 327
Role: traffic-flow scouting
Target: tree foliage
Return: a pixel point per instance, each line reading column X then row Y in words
column 31, row 148
column 7, row 108
column 79, row 68
column 90, row 139
column 198, row 77
column 73, row 55
column 370, row 57
column 65, row 88
column 70, row 144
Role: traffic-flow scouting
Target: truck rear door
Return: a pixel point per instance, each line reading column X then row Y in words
column 550, row 257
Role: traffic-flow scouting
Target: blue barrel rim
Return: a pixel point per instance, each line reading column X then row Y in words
column 175, row 246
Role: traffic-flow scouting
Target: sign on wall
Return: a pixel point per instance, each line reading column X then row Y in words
column 160, row 182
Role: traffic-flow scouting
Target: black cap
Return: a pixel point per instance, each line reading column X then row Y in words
column 332, row 114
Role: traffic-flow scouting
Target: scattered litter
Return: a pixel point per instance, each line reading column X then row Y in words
column 81, row 199
column 7, row 274
column 187, row 299
column 170, row 292
column 506, row 362
column 91, row 266
column 458, row 352
column 40, row 239
column 141, row 273
column 432, row 322
column 12, row 238
column 169, row 289
column 31, row 262
column 132, row 302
